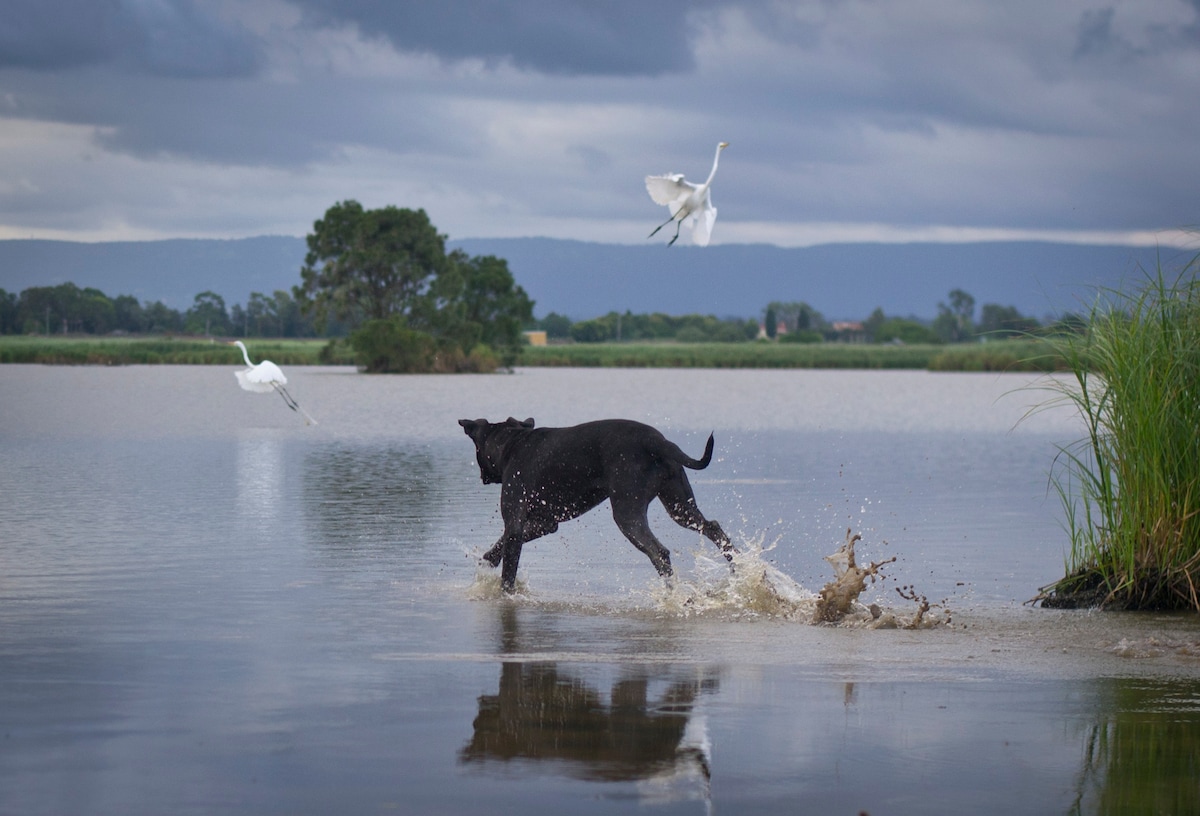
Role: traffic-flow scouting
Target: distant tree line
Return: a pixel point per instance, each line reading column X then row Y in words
column 464, row 302
column 799, row 322
column 616, row 327
column 68, row 309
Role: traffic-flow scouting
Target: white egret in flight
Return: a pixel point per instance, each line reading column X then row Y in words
column 686, row 201
column 265, row 378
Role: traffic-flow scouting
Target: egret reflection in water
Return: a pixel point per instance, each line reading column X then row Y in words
column 260, row 480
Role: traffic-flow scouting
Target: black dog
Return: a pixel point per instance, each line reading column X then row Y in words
column 548, row 475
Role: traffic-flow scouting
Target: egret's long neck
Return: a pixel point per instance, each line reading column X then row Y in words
column 716, row 159
column 246, row 356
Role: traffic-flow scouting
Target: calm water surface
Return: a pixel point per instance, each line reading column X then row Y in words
column 208, row 607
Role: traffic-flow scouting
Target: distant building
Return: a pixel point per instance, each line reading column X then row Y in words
column 535, row 338
column 780, row 330
column 849, row 331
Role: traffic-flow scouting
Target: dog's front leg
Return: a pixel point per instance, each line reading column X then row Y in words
column 512, row 556
column 508, row 550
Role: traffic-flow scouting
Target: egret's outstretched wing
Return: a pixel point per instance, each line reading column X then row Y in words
column 266, row 372
column 669, row 188
column 248, row 384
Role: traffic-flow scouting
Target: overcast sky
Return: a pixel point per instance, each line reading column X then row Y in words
column 856, row 120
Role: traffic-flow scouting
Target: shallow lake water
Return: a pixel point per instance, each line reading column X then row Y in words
column 207, row 606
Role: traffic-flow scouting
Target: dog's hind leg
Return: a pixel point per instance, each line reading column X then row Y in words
column 631, row 519
column 680, row 504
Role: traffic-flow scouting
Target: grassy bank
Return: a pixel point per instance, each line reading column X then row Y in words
column 88, row 350
column 1131, row 489
column 1007, row 355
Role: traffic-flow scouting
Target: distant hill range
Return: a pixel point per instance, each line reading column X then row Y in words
column 583, row 280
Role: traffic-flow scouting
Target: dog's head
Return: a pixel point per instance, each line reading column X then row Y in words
column 490, row 439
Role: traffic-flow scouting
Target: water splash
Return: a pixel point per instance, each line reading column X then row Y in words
column 755, row 588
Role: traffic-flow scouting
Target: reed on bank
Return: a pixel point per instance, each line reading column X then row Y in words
column 1131, row 488
column 1028, row 354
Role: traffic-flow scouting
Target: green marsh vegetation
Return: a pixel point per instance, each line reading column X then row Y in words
column 1003, row 355
column 1131, row 487
column 165, row 350
column 1006, row 355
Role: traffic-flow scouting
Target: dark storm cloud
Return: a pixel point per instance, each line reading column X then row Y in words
column 542, row 117
column 50, row 35
column 1098, row 36
column 628, row 37
column 163, row 38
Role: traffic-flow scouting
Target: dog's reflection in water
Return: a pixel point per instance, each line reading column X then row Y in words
column 542, row 713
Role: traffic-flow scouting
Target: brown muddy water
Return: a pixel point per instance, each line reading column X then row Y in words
column 208, row 607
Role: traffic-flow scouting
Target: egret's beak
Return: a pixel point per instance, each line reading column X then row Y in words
column 723, row 145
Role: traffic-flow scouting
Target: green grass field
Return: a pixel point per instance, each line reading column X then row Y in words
column 1006, row 355
column 1009, row 355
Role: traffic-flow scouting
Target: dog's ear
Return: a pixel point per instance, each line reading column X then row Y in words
column 513, row 422
column 527, row 423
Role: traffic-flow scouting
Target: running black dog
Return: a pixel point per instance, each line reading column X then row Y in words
column 548, row 475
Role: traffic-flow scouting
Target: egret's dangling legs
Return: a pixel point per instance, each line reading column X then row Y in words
column 678, row 224
column 291, row 403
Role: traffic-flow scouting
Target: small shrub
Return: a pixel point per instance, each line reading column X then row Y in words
column 388, row 346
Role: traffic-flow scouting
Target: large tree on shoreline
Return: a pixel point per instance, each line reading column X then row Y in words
column 369, row 264
column 385, row 274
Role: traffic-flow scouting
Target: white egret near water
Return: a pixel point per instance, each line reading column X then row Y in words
column 686, row 201
column 265, row 378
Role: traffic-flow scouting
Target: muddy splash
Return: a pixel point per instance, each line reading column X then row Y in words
column 756, row 588
column 839, row 596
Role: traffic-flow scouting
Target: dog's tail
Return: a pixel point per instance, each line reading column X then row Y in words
column 702, row 462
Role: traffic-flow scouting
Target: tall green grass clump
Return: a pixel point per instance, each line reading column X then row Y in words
column 1131, row 488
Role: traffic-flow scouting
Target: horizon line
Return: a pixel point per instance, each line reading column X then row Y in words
column 782, row 236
